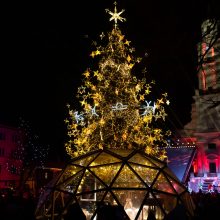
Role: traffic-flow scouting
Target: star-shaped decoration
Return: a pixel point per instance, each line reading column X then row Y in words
column 118, row 68
column 131, row 65
column 88, row 83
column 167, row 102
column 77, row 96
column 157, row 131
column 147, row 118
column 97, row 52
column 106, row 83
column 124, row 136
column 102, row 121
column 116, row 15
column 93, row 54
column 127, row 42
column 71, row 112
column 96, row 96
column 146, row 54
column 93, row 111
column 135, row 79
column 141, row 98
column 87, row 107
column 144, row 70
column 93, row 87
column 102, row 35
column 119, row 106
column 157, row 116
column 100, row 77
column 147, row 91
column 70, row 134
column 83, row 102
column 116, row 91
column 86, row 74
column 148, row 150
column 100, row 145
column 96, row 73
column 160, row 101
column 81, row 89
column 151, row 139
column 163, row 114
column 121, row 37
column 136, row 128
column 70, row 141
column 158, row 106
column 66, row 121
column 138, row 59
column 128, row 58
column 94, row 43
column 165, row 94
column 74, row 126
column 132, row 50
column 138, row 87
column 77, row 142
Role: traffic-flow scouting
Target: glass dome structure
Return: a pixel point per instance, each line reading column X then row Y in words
column 114, row 184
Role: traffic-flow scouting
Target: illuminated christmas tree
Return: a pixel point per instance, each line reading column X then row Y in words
column 115, row 141
column 116, row 107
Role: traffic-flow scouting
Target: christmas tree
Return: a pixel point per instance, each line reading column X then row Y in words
column 117, row 110
column 115, row 134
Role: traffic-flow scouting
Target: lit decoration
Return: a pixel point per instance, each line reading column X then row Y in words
column 13, row 168
column 121, row 178
column 116, row 145
column 102, row 35
column 117, row 108
column 30, row 149
column 116, row 15
column 93, row 111
column 78, row 117
column 148, row 109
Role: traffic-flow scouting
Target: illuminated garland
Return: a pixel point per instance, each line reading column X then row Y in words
column 116, row 109
column 13, row 168
column 29, row 149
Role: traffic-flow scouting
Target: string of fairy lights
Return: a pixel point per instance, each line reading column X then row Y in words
column 116, row 108
column 35, row 151
column 29, row 150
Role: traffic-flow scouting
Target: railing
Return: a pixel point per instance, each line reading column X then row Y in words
column 198, row 174
column 211, row 174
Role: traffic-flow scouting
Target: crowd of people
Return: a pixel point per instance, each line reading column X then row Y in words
column 22, row 205
column 207, row 204
column 17, row 205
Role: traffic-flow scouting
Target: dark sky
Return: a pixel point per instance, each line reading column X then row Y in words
column 46, row 48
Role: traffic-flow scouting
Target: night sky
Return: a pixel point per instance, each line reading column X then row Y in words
column 46, row 48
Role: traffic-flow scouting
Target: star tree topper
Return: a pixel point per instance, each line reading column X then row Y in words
column 116, row 15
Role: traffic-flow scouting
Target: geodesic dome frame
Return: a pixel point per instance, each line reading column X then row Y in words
column 114, row 178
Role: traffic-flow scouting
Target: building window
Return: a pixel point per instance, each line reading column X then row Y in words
column 2, row 136
column 2, row 151
column 13, row 169
column 15, row 138
column 211, row 146
column 212, row 167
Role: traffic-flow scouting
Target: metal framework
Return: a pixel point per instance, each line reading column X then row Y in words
column 129, row 180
